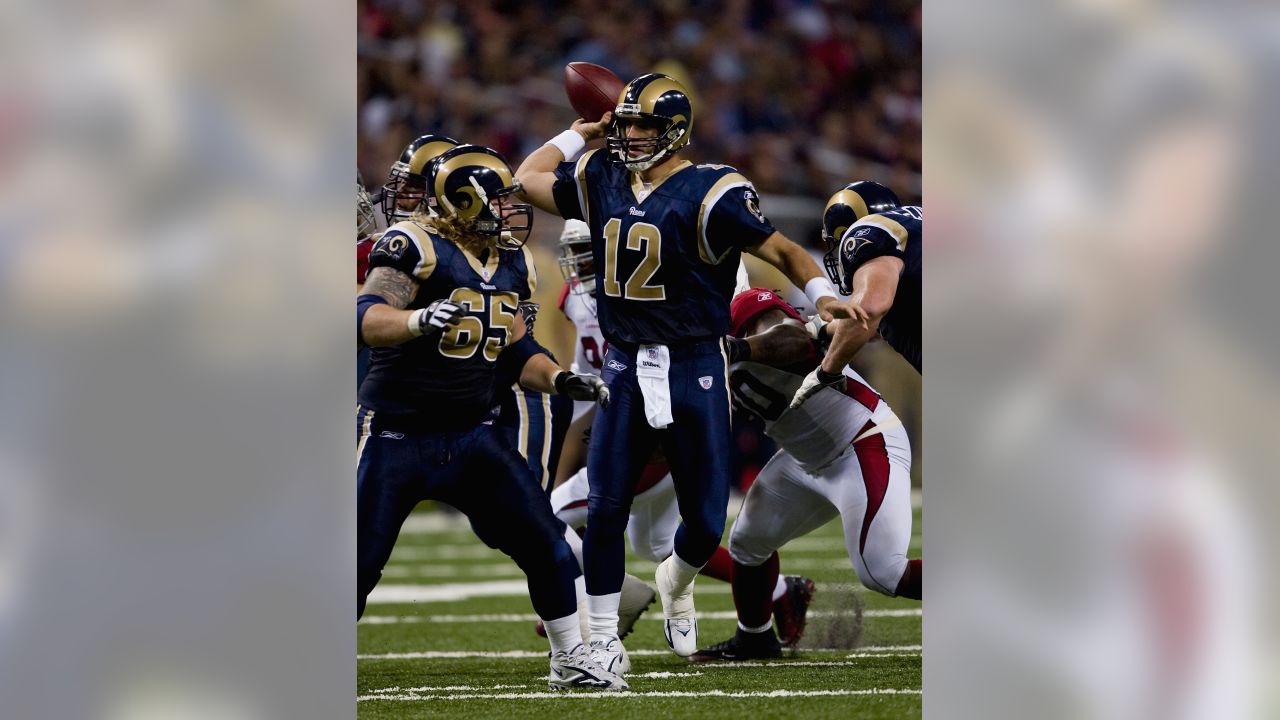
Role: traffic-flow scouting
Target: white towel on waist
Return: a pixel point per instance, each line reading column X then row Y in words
column 653, row 362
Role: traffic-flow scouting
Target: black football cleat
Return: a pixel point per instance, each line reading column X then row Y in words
column 790, row 610
column 742, row 646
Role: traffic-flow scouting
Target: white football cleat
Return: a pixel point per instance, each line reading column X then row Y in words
column 575, row 670
column 681, row 621
column 611, row 656
column 636, row 598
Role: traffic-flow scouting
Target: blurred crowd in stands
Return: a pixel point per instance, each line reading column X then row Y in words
column 802, row 96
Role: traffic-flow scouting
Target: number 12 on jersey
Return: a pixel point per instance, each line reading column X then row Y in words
column 641, row 237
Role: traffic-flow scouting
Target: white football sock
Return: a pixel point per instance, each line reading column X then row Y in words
column 682, row 573
column 602, row 616
column 564, row 633
column 781, row 588
column 755, row 630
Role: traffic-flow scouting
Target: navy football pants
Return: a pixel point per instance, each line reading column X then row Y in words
column 697, row 447
column 535, row 425
column 475, row 471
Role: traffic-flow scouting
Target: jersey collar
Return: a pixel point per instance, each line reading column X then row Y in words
column 637, row 187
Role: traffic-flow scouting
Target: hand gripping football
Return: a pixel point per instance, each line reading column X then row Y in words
column 592, row 90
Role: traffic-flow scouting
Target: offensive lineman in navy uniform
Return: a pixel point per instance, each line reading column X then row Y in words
column 441, row 309
column 873, row 253
column 666, row 238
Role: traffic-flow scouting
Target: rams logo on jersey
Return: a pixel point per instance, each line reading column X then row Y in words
column 855, row 241
column 753, row 204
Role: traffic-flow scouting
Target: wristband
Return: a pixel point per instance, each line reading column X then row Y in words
column 818, row 288
column 827, row 378
column 415, row 322
column 561, row 378
column 570, row 143
column 739, row 349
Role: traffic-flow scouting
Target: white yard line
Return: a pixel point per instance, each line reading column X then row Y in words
column 390, row 593
column 503, row 570
column 413, row 697
column 446, row 592
column 474, row 654
column 449, row 551
column 530, row 617
column 804, row 663
column 446, row 688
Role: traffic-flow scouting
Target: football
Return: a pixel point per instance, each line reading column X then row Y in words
column 592, row 90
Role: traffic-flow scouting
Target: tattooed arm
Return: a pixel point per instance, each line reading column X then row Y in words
column 388, row 324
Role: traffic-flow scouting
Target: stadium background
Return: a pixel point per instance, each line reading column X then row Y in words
column 801, row 96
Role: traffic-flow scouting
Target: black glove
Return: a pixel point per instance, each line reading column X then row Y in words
column 739, row 349
column 530, row 312
column 583, row 387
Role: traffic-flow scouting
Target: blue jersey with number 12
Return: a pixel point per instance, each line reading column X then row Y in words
column 666, row 257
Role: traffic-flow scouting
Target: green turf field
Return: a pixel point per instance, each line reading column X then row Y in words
column 449, row 633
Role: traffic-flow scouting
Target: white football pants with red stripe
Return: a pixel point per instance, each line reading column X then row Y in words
column 654, row 517
column 868, row 486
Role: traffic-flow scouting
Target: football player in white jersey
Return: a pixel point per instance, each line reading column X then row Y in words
column 843, row 453
column 655, row 515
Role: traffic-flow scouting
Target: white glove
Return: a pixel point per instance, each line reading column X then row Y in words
column 435, row 317
column 583, row 387
column 814, row 327
column 813, row 382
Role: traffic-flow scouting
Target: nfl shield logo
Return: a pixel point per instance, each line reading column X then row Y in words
column 705, row 381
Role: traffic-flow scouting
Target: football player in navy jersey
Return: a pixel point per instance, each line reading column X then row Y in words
column 441, row 309
column 666, row 239
column 873, row 253
column 536, row 423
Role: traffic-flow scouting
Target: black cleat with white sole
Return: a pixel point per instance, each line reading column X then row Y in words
column 742, row 646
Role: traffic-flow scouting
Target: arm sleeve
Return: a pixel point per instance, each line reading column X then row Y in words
column 512, row 359
column 570, row 187
column 731, row 219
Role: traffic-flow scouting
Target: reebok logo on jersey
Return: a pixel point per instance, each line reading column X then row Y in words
column 638, row 213
column 615, row 365
column 705, row 381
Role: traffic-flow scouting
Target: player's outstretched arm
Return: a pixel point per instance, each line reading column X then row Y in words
column 382, row 319
column 783, row 344
column 543, row 375
column 804, row 273
column 537, row 173
column 874, row 285
column 539, row 372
